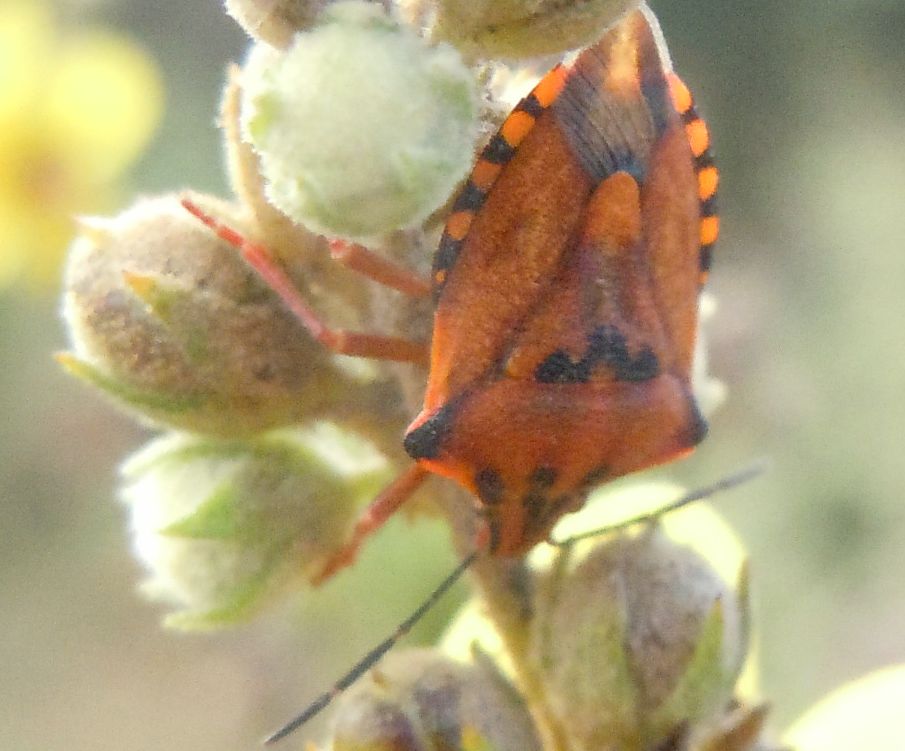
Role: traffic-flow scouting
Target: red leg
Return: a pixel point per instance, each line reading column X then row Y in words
column 341, row 342
column 389, row 274
column 372, row 518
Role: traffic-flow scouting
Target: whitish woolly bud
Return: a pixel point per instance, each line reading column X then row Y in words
column 636, row 640
column 418, row 700
column 525, row 28
column 361, row 127
column 171, row 322
column 225, row 526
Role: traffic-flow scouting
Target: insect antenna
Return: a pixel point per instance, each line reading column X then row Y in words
column 728, row 482
column 372, row 657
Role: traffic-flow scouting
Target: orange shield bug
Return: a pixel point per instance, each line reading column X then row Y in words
column 566, row 285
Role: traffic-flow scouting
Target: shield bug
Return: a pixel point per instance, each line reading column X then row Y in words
column 566, row 285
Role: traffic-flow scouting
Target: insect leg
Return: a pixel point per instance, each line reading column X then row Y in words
column 341, row 342
column 381, row 270
column 372, row 518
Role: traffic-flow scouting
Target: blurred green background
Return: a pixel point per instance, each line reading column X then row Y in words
column 805, row 101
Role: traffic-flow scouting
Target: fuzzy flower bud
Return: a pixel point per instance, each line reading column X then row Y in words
column 525, row 28
column 636, row 640
column 361, row 127
column 225, row 526
column 418, row 700
column 172, row 323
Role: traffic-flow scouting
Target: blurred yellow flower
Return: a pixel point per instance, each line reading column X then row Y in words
column 76, row 107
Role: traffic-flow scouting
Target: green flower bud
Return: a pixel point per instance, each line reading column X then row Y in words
column 225, row 526
column 418, row 700
column 361, row 127
column 172, row 323
column 635, row 639
column 525, row 28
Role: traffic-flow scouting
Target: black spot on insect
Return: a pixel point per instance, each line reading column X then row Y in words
column 644, row 366
column 706, row 258
column 424, row 442
column 560, row 368
column 489, row 486
column 447, row 252
column 704, row 160
column 531, row 106
column 689, row 116
column 498, row 150
column 697, row 426
column 471, row 198
column 708, row 207
column 595, row 477
column 608, row 345
column 543, row 477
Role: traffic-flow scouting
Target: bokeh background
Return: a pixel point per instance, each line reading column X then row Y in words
column 805, row 100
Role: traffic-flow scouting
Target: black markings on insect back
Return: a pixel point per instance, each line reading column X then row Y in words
column 704, row 160
column 543, row 477
column 471, row 198
column 424, row 442
column 489, row 486
column 689, row 115
column 560, row 368
column 447, row 252
column 642, row 367
column 697, row 426
column 706, row 258
column 531, row 106
column 498, row 150
column 708, row 206
column 607, row 346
